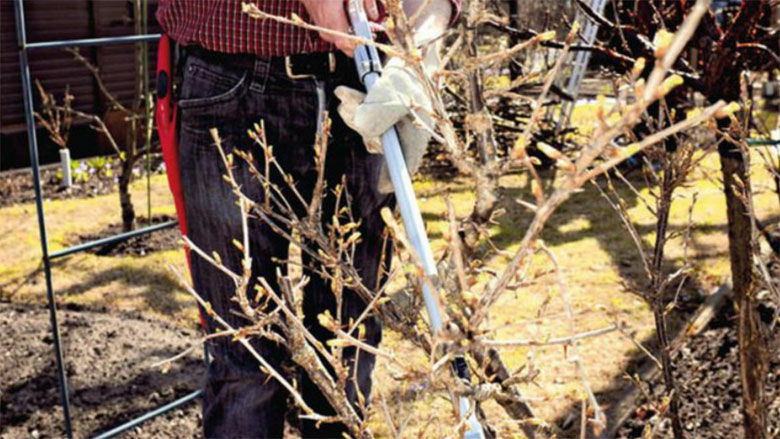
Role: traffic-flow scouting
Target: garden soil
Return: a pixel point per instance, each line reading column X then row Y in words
column 707, row 371
column 16, row 186
column 110, row 360
column 110, row 364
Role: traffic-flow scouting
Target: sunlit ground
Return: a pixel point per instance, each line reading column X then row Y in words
column 598, row 259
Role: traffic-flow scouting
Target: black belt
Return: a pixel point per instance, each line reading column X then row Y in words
column 298, row 66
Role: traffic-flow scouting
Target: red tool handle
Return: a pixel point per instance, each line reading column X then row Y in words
column 166, row 116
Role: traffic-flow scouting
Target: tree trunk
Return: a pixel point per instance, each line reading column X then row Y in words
column 666, row 190
column 130, row 155
column 752, row 349
column 125, row 201
column 659, row 305
column 666, row 363
column 482, row 127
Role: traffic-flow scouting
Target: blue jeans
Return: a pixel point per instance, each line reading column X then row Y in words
column 240, row 401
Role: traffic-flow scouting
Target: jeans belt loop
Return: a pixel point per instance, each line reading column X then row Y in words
column 332, row 62
column 288, row 67
column 259, row 74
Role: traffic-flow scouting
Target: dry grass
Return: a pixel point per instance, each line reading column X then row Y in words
column 137, row 283
column 599, row 261
column 602, row 268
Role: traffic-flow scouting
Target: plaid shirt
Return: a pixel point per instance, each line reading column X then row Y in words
column 219, row 25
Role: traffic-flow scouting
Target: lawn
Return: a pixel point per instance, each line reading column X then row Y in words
column 602, row 269
column 598, row 259
column 122, row 282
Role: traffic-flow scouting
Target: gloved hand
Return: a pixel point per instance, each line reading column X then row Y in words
column 398, row 98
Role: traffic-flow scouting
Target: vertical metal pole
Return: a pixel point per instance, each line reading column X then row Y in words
column 514, row 20
column 148, row 114
column 32, row 142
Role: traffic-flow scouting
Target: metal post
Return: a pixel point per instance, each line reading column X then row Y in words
column 111, row 239
column 85, row 42
column 32, row 141
column 116, row 431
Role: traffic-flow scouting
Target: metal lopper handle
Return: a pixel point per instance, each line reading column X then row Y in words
column 369, row 69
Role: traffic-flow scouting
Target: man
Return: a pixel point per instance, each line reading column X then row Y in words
column 237, row 72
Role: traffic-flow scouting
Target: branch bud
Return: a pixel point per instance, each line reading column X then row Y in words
column 668, row 85
column 518, row 152
column 337, row 343
column 566, row 165
column 727, row 111
column 574, row 28
column 549, row 151
column 536, row 189
column 326, row 320
column 639, row 67
column 631, row 149
column 639, row 88
column 662, row 40
column 547, row 36
column 601, row 107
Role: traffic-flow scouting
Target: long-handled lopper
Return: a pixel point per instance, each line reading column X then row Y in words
column 369, row 69
column 166, row 116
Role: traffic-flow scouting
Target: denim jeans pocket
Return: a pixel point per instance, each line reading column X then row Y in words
column 211, row 97
column 208, row 85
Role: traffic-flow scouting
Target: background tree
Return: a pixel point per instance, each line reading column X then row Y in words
column 127, row 130
column 726, row 46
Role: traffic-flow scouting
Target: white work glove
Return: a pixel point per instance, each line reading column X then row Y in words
column 398, row 98
column 395, row 99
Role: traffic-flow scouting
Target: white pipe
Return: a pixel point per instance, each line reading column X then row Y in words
column 67, row 178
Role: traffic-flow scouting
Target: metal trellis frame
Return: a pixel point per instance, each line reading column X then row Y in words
column 24, row 48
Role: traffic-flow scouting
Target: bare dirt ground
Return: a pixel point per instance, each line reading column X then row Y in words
column 599, row 260
column 17, row 187
column 707, row 368
column 109, row 357
column 109, row 361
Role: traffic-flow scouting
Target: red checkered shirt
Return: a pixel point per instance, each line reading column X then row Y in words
column 219, row 25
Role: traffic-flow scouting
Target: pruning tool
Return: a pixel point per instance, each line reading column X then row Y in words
column 369, row 68
column 166, row 117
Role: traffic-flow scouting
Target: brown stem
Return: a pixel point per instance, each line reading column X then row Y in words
column 125, row 200
column 510, row 398
column 752, row 349
column 664, row 206
column 486, row 181
column 776, row 178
